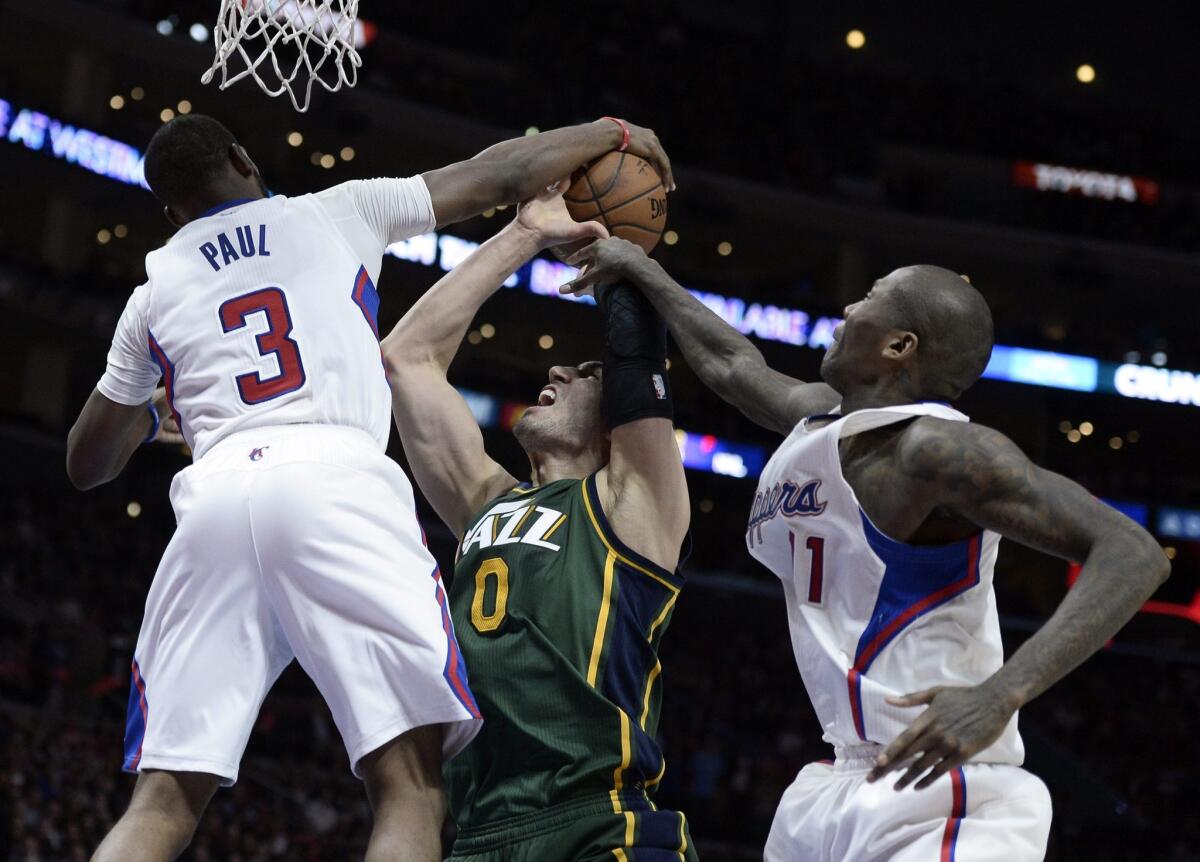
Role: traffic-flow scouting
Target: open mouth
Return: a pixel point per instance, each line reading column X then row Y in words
column 547, row 397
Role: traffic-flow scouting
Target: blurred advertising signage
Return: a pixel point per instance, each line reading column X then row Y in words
column 714, row 455
column 1043, row 368
column 119, row 161
column 75, row 146
column 1139, row 513
column 1179, row 523
column 1089, row 184
column 544, row 278
column 1157, row 384
column 699, row 451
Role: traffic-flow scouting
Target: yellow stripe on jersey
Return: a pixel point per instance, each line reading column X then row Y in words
column 602, row 621
column 657, row 669
column 520, row 524
column 557, row 524
column 626, row 756
column 683, row 842
column 603, row 538
column 662, row 770
column 654, row 672
column 629, row 828
column 620, row 854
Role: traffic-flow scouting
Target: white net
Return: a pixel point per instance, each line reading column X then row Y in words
column 286, row 45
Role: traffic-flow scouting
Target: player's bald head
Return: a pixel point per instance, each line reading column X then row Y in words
column 953, row 325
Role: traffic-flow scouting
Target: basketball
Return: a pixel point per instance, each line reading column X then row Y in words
column 624, row 193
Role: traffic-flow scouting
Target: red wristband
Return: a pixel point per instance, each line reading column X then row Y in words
column 624, row 132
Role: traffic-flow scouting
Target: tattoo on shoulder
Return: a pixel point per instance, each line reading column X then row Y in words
column 982, row 475
column 963, row 459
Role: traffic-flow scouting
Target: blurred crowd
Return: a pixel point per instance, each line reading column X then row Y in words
column 1114, row 742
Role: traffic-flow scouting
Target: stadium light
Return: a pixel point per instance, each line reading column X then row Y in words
column 724, row 248
column 198, row 32
column 856, row 39
column 1085, row 74
column 165, row 27
column 670, row 237
column 117, row 102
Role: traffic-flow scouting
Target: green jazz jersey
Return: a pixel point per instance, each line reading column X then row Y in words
column 559, row 623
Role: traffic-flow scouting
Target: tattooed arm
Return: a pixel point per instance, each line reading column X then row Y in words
column 728, row 363
column 981, row 475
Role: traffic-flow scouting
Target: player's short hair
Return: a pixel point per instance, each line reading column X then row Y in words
column 186, row 155
column 953, row 324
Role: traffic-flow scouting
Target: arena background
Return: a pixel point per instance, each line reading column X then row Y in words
column 806, row 168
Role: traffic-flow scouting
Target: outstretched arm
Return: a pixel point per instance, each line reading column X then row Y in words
column 643, row 490
column 518, row 169
column 982, row 475
column 728, row 363
column 441, row 438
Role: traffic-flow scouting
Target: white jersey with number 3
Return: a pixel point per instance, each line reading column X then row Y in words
column 263, row 313
column 872, row 617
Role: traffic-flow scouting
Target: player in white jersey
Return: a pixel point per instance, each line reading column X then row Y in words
column 881, row 514
column 296, row 534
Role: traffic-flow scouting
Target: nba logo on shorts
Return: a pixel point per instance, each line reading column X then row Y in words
column 660, row 390
column 257, row 454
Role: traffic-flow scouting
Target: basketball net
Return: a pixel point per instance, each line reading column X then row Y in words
column 286, row 45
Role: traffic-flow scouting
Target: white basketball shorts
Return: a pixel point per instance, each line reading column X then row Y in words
column 293, row 541
column 977, row 813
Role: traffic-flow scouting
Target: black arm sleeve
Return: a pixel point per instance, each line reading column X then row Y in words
column 636, row 385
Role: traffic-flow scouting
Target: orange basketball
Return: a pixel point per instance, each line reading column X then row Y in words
column 624, row 193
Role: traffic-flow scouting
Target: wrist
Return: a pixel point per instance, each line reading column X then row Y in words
column 1012, row 696
column 524, row 239
column 613, row 132
column 155, row 421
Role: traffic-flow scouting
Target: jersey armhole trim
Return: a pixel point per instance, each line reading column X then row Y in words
column 631, row 558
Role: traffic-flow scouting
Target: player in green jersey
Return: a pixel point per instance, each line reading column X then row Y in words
column 563, row 586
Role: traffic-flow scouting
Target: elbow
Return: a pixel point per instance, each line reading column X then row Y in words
column 736, row 373
column 81, row 475
column 82, row 471
column 1160, row 566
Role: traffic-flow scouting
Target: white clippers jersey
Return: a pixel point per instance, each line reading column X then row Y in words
column 872, row 617
column 264, row 313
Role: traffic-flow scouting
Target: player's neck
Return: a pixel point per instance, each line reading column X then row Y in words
column 547, row 467
column 885, row 393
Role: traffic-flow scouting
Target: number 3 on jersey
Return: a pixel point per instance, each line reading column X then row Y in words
column 252, row 386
